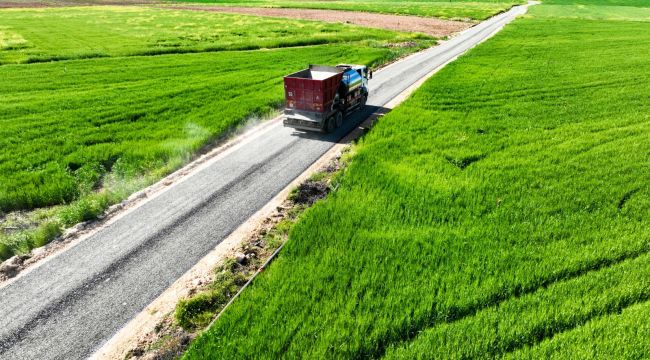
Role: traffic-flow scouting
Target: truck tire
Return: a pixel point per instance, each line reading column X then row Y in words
column 330, row 125
column 338, row 118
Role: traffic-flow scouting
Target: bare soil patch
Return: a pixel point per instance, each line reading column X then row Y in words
column 430, row 26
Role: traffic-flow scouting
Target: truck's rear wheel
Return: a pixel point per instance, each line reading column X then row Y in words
column 339, row 119
column 330, row 125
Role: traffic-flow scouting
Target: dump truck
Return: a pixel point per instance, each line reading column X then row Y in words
column 319, row 98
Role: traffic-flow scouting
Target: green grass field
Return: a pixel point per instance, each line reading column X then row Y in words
column 85, row 133
column 502, row 211
column 37, row 35
column 625, row 13
column 456, row 9
column 634, row 3
column 601, row 338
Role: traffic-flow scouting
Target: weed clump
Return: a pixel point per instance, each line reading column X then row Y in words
column 198, row 311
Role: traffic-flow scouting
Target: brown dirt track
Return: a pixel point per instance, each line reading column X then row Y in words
column 431, row 26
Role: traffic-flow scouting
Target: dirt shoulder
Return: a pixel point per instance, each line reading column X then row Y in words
column 430, row 26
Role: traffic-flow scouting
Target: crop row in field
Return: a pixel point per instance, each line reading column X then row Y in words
column 623, row 334
column 37, row 35
column 516, row 324
column 456, row 9
column 501, row 211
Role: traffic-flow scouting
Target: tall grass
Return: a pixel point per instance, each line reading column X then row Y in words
column 504, row 207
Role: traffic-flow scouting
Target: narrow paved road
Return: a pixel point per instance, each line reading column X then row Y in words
column 73, row 303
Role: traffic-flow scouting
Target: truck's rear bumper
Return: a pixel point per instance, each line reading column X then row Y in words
column 304, row 120
column 302, row 124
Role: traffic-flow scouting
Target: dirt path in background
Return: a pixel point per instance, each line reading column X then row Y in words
column 431, row 26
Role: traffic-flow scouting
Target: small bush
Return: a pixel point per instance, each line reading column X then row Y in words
column 318, row 176
column 45, row 233
column 88, row 208
column 198, row 311
column 5, row 252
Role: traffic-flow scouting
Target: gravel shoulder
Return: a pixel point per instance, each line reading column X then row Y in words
column 430, row 26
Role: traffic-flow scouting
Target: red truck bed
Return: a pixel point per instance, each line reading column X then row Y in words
column 312, row 89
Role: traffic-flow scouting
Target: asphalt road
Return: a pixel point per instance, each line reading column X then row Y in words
column 70, row 305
